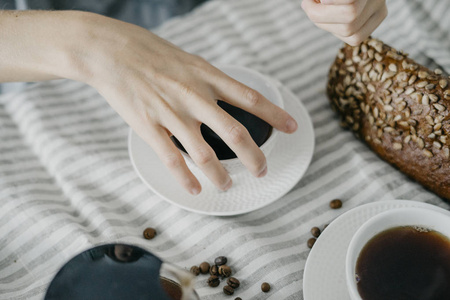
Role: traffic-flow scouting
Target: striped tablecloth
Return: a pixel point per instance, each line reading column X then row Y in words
column 66, row 182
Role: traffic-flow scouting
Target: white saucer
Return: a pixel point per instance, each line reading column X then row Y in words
column 324, row 275
column 287, row 163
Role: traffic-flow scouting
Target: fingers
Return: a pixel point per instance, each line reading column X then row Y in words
column 237, row 137
column 350, row 20
column 366, row 30
column 336, row 14
column 187, row 131
column 171, row 157
column 239, row 95
column 204, row 157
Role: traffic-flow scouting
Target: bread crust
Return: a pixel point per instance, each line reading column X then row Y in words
column 398, row 107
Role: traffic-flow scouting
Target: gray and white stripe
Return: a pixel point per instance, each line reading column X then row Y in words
column 66, row 182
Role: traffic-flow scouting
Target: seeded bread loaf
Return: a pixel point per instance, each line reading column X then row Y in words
column 398, row 107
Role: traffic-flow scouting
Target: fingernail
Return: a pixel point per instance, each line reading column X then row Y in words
column 291, row 125
column 195, row 191
column 228, row 185
column 263, row 172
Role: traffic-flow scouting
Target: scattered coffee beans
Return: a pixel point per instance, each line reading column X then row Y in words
column 228, row 290
column 335, row 204
column 221, row 260
column 311, row 242
column 225, row 271
column 195, row 270
column 315, row 231
column 149, row 233
column 214, row 270
column 213, row 281
column 204, row 267
column 233, row 282
column 265, row 287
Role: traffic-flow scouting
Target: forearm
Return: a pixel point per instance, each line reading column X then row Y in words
column 40, row 45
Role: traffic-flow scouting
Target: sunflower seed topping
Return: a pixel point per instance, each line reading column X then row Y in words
column 397, row 146
column 393, row 68
column 409, row 91
column 437, row 145
column 420, row 143
column 430, row 86
column 439, row 107
column 422, row 84
column 427, row 153
column 446, row 153
column 412, row 79
column 443, row 83
column 422, row 74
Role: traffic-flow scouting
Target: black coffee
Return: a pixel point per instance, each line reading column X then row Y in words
column 405, row 263
column 259, row 131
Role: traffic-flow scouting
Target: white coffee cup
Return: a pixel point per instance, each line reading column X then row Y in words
column 420, row 217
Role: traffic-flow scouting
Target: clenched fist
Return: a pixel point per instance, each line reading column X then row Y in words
column 350, row 20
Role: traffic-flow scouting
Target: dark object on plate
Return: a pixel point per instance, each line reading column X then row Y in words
column 258, row 129
column 116, row 272
column 406, row 262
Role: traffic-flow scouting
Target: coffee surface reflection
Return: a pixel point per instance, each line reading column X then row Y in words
column 114, row 271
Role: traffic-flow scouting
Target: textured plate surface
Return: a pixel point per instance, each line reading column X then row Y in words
column 324, row 276
column 287, row 163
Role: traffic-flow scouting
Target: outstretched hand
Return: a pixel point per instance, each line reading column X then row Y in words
column 160, row 90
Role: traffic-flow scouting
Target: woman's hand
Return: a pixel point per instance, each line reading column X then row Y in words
column 157, row 88
column 352, row 21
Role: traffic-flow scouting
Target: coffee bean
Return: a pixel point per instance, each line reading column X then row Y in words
column 265, row 287
column 225, row 271
column 213, row 281
column 335, row 204
column 204, row 267
column 228, row 290
column 311, row 242
column 238, row 298
column 195, row 270
column 214, row 270
column 221, row 260
column 149, row 233
column 315, row 231
column 233, row 282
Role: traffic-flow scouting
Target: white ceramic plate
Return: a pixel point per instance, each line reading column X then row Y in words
column 324, row 275
column 287, row 163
